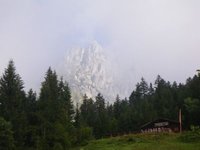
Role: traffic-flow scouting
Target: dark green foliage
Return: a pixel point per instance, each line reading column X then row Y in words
column 84, row 134
column 101, row 120
column 55, row 110
column 49, row 121
column 88, row 111
column 58, row 146
column 192, row 109
column 32, row 120
column 191, row 136
column 77, row 118
column 45, row 123
column 12, row 99
column 146, row 103
column 6, row 135
column 65, row 100
column 12, row 94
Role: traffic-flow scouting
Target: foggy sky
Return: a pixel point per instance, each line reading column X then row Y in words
column 147, row 37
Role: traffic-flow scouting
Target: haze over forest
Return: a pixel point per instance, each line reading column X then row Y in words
column 75, row 71
column 143, row 38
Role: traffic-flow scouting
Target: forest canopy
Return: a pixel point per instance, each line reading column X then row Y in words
column 50, row 120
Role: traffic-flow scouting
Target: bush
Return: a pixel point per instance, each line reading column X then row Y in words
column 84, row 134
column 191, row 136
column 57, row 146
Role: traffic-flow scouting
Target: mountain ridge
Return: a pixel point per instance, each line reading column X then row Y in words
column 89, row 71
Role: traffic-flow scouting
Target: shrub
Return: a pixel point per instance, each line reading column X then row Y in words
column 57, row 146
column 191, row 136
column 84, row 134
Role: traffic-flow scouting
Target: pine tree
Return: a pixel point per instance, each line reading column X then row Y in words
column 101, row 123
column 65, row 100
column 11, row 92
column 117, row 107
column 77, row 117
column 32, row 121
column 55, row 112
column 66, row 110
column 88, row 112
column 12, row 99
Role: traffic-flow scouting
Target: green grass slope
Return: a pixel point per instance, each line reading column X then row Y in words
column 142, row 142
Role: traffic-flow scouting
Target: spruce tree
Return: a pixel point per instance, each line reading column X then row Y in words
column 32, row 121
column 11, row 93
column 101, row 123
column 55, row 112
column 12, row 98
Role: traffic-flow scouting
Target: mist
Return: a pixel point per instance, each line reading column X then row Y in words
column 144, row 38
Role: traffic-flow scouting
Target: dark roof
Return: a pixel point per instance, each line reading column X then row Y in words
column 159, row 120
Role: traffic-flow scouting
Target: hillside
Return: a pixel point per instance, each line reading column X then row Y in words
column 142, row 142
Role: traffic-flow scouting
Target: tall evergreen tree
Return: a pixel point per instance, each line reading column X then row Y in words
column 116, row 107
column 88, row 112
column 101, row 124
column 12, row 98
column 11, row 92
column 65, row 101
column 54, row 110
column 31, row 130
column 77, row 117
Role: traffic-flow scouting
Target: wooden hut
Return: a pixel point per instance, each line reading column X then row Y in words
column 161, row 125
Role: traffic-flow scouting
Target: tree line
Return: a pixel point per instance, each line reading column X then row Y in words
column 51, row 121
column 146, row 103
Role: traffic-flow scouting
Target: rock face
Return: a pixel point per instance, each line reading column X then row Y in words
column 89, row 72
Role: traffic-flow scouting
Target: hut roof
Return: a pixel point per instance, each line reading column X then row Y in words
column 159, row 120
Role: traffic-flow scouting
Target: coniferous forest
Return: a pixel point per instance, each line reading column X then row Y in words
column 49, row 120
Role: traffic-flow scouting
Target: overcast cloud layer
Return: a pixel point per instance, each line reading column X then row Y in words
column 148, row 37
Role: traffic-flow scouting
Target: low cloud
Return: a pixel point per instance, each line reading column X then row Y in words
column 146, row 38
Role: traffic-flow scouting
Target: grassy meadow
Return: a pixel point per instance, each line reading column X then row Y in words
column 142, row 142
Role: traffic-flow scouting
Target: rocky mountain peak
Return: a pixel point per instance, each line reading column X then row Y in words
column 88, row 71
